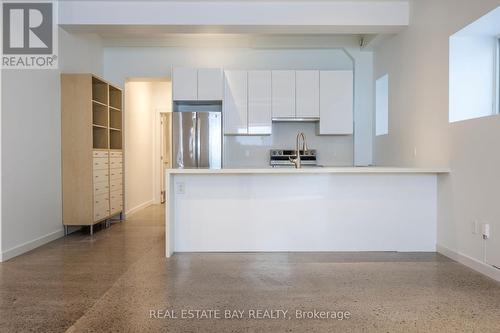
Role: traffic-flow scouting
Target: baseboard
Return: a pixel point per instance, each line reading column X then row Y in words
column 28, row 246
column 472, row 263
column 141, row 206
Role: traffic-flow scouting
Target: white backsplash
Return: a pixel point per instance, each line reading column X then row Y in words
column 253, row 151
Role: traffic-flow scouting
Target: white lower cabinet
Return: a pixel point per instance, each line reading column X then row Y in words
column 235, row 106
column 336, row 103
column 259, row 103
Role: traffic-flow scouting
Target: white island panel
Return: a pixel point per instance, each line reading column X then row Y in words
column 301, row 211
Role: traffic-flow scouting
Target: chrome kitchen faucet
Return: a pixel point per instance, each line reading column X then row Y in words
column 297, row 161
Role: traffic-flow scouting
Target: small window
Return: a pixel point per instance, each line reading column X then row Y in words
column 382, row 105
column 474, row 72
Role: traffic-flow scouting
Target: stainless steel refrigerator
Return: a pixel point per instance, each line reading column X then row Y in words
column 197, row 136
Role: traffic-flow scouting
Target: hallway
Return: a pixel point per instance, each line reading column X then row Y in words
column 114, row 280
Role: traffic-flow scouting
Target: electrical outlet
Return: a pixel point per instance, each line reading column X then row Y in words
column 486, row 231
column 475, row 227
column 180, row 188
column 414, row 151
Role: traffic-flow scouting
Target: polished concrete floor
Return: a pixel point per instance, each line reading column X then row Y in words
column 119, row 281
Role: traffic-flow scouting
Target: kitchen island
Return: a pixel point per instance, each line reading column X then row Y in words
column 308, row 209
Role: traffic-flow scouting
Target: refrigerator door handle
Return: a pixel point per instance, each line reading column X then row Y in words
column 198, row 143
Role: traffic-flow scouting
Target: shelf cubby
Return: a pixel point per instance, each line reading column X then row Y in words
column 99, row 114
column 99, row 91
column 115, row 137
column 115, row 119
column 115, row 98
column 100, row 137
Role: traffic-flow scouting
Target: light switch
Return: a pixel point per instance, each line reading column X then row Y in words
column 475, row 227
column 180, row 188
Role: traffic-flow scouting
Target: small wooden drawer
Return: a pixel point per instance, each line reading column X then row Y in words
column 116, row 174
column 116, row 185
column 100, row 153
column 116, row 199
column 100, row 163
column 101, row 188
column 101, row 199
column 116, row 207
column 100, row 212
column 101, row 176
column 116, row 196
column 101, row 206
column 115, row 162
column 116, row 154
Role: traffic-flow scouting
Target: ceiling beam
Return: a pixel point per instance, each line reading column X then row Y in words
column 314, row 17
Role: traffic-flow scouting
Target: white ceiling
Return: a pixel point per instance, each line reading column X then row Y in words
column 276, row 23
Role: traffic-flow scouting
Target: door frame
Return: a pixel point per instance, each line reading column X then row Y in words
column 157, row 156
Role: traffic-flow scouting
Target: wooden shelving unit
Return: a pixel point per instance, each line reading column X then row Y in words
column 92, row 156
column 115, row 137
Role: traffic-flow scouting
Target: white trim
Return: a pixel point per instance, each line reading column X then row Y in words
column 1, row 155
column 470, row 262
column 30, row 245
column 139, row 207
column 497, row 78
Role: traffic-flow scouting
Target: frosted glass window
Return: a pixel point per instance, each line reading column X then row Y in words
column 474, row 70
column 382, row 105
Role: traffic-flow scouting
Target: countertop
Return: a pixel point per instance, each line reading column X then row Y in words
column 313, row 170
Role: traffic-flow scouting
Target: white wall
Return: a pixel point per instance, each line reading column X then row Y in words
column 143, row 100
column 31, row 147
column 417, row 61
column 123, row 62
column 253, row 151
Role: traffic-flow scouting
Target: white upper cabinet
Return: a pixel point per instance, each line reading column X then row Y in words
column 185, row 84
column 283, row 94
column 210, row 84
column 259, row 102
column 192, row 84
column 235, row 105
column 336, row 102
column 252, row 99
column 307, row 94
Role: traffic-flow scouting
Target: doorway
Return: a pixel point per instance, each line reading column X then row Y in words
column 148, row 103
column 165, row 149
